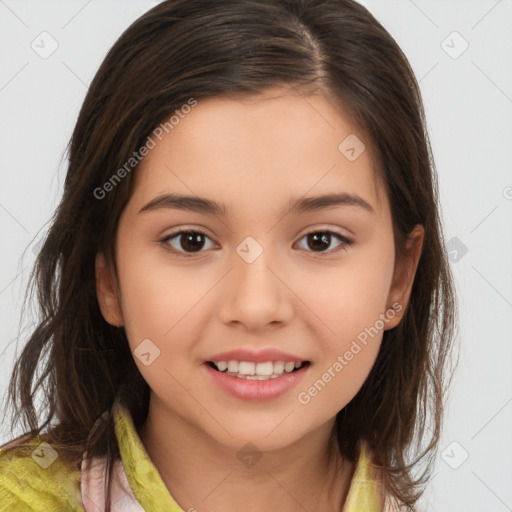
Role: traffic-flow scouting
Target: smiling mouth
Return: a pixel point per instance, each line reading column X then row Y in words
column 257, row 371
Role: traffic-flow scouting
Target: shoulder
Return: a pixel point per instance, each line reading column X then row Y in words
column 33, row 477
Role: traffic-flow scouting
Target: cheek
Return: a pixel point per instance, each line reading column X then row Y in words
column 156, row 298
column 158, row 310
column 351, row 297
column 335, row 384
column 352, row 305
column 347, row 356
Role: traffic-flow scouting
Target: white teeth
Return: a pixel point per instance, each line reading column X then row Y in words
column 246, row 368
column 232, row 366
column 222, row 365
column 256, row 371
column 264, row 369
column 279, row 367
column 289, row 367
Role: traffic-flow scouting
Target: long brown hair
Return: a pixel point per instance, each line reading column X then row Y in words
column 184, row 49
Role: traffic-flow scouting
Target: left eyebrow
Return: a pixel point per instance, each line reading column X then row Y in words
column 308, row 204
column 210, row 207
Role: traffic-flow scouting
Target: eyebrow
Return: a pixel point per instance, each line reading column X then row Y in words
column 210, row 207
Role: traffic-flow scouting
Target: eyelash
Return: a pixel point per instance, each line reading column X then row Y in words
column 164, row 241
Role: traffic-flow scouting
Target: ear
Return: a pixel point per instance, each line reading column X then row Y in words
column 106, row 293
column 403, row 278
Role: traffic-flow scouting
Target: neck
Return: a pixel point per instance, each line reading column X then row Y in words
column 203, row 474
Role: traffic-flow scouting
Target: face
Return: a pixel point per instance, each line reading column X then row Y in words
column 313, row 284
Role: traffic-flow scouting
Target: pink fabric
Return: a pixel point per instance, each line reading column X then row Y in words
column 93, row 487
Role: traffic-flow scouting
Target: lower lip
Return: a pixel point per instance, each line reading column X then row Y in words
column 247, row 389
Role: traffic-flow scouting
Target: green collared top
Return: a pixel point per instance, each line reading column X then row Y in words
column 42, row 481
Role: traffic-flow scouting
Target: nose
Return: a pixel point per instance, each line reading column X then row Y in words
column 256, row 294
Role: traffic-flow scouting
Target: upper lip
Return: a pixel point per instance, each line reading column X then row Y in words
column 260, row 356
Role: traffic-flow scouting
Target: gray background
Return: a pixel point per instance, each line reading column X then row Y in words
column 468, row 99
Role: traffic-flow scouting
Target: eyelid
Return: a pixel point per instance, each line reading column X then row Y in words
column 315, row 228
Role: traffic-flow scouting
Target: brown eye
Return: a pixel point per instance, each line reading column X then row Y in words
column 320, row 241
column 185, row 242
column 190, row 242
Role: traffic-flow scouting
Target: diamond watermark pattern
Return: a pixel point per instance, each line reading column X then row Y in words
column 454, row 45
column 455, row 455
column 456, row 249
column 45, row 45
column 45, row 455
column 249, row 455
column 351, row 147
column 146, row 352
column 249, row 250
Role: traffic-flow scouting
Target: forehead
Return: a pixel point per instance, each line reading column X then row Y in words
column 266, row 146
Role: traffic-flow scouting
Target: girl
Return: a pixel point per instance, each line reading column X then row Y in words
column 244, row 296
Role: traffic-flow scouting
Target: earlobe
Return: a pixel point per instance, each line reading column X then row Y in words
column 106, row 293
column 403, row 278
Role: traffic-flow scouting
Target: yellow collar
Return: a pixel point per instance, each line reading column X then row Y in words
column 138, row 485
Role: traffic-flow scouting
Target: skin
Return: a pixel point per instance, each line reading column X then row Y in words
column 254, row 155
